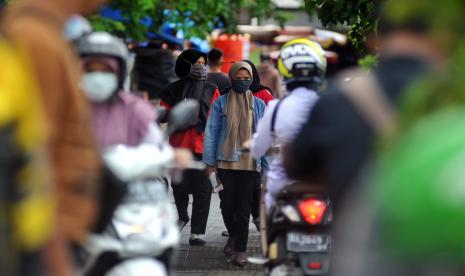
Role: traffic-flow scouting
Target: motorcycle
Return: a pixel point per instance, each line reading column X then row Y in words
column 143, row 233
column 295, row 234
column 298, row 240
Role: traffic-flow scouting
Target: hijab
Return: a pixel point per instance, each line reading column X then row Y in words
column 256, row 84
column 189, row 88
column 239, row 108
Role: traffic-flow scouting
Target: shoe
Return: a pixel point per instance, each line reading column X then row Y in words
column 225, row 234
column 228, row 248
column 239, row 259
column 197, row 240
column 182, row 223
column 256, row 222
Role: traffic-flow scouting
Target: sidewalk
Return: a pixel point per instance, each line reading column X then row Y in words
column 209, row 259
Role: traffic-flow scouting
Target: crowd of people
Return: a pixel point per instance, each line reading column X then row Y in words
column 369, row 137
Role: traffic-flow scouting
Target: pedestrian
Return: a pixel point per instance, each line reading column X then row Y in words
column 193, row 84
column 233, row 119
column 215, row 61
column 269, row 75
column 264, row 93
column 37, row 27
column 259, row 90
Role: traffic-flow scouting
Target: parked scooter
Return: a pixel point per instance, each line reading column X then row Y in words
column 143, row 233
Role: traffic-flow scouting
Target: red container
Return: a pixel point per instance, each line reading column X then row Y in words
column 232, row 47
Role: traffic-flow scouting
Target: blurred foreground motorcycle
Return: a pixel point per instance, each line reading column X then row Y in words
column 143, row 233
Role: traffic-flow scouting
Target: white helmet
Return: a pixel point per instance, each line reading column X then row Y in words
column 302, row 60
column 104, row 44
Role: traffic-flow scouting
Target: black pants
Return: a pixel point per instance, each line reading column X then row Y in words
column 196, row 183
column 236, row 204
column 256, row 197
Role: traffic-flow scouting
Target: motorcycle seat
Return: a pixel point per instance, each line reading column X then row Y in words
column 299, row 190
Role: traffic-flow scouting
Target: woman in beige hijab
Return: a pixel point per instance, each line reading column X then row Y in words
column 232, row 121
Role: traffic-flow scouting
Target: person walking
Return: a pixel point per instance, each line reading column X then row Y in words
column 259, row 90
column 264, row 93
column 37, row 28
column 193, row 84
column 269, row 75
column 215, row 60
column 233, row 119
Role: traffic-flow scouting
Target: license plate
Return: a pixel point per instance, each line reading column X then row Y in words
column 298, row 242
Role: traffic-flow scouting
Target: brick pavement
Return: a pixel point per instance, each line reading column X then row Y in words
column 209, row 259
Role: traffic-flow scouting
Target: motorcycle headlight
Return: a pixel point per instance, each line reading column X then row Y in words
column 137, row 228
column 291, row 213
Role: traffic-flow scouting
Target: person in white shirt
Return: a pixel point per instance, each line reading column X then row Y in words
column 302, row 64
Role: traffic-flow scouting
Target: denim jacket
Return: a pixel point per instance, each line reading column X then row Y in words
column 216, row 131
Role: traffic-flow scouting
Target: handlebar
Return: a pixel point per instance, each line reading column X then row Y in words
column 194, row 165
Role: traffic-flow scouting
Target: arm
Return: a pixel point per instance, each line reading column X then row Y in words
column 212, row 131
column 168, row 108
column 153, row 136
column 262, row 139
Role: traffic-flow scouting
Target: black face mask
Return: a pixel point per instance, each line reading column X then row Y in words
column 198, row 72
column 241, row 86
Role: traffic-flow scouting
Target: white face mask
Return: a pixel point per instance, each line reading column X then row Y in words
column 99, row 86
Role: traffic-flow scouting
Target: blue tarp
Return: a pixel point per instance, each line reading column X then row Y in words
column 166, row 31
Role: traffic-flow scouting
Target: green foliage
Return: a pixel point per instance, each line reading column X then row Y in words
column 357, row 14
column 194, row 17
column 368, row 62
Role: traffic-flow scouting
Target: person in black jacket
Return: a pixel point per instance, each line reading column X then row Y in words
column 337, row 141
column 191, row 69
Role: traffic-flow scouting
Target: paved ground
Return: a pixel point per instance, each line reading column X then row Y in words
column 209, row 259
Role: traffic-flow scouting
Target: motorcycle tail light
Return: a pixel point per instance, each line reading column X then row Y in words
column 312, row 210
column 314, row 265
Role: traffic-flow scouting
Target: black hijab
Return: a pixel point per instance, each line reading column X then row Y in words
column 188, row 88
column 256, row 86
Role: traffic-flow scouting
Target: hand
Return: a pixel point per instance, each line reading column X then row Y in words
column 210, row 170
column 183, row 158
column 247, row 144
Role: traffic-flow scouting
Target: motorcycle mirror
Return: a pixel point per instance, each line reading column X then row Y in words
column 181, row 115
column 162, row 112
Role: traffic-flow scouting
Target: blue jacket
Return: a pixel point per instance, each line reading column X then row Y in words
column 216, row 131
